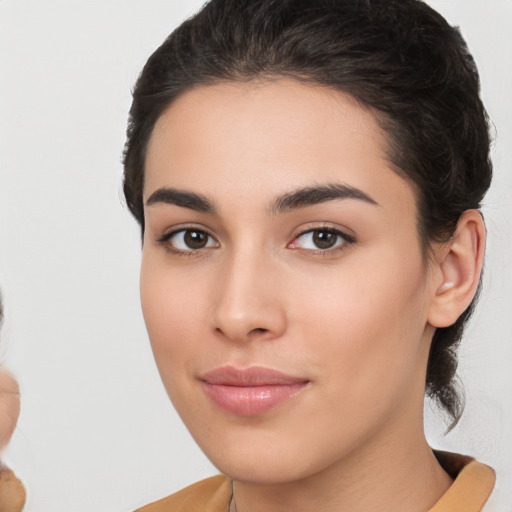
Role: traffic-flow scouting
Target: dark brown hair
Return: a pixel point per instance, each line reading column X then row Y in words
column 399, row 58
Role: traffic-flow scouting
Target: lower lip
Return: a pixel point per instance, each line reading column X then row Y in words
column 251, row 400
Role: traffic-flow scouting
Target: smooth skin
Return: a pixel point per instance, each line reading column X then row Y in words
column 335, row 291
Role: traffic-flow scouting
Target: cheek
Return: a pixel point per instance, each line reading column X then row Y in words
column 166, row 300
column 369, row 332
column 165, row 318
column 175, row 307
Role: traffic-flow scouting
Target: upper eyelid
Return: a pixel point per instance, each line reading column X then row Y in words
column 327, row 228
column 309, row 228
column 344, row 236
column 164, row 241
column 168, row 233
column 341, row 245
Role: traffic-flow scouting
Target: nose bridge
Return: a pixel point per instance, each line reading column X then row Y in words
column 247, row 302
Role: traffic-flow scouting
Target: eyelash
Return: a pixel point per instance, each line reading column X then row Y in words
column 340, row 235
column 342, row 241
column 165, row 241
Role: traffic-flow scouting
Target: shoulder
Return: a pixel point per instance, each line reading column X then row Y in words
column 210, row 495
column 472, row 485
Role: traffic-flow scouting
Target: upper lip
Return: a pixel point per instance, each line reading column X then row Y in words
column 248, row 377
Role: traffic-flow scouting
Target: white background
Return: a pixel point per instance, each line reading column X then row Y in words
column 97, row 432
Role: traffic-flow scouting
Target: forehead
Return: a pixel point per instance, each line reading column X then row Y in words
column 264, row 138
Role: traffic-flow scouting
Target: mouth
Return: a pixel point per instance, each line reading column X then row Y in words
column 250, row 391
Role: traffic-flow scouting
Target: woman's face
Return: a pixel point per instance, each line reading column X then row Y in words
column 283, row 284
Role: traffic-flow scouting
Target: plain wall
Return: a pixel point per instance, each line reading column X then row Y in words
column 97, row 432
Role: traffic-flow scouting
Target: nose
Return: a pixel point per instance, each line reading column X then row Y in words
column 248, row 301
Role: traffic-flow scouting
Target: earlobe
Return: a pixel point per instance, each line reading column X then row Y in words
column 460, row 263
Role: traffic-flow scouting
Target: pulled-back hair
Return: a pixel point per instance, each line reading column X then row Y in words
column 399, row 58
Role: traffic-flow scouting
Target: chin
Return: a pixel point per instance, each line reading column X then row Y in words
column 266, row 458
column 262, row 471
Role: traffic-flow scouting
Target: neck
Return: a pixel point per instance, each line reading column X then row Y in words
column 401, row 475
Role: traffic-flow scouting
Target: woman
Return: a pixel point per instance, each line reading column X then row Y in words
column 307, row 176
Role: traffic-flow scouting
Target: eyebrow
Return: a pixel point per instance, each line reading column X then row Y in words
column 318, row 194
column 300, row 198
column 181, row 198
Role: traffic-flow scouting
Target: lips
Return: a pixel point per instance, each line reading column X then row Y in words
column 250, row 391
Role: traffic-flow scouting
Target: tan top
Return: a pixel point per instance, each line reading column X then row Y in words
column 470, row 490
column 472, row 485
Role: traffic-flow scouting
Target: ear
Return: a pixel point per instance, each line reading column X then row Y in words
column 458, row 266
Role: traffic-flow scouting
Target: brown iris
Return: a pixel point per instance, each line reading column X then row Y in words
column 195, row 239
column 324, row 239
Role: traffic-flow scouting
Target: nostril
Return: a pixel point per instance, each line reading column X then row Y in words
column 258, row 330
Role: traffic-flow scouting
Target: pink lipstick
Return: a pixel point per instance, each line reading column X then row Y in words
column 250, row 391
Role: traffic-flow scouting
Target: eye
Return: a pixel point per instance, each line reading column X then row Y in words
column 321, row 239
column 188, row 240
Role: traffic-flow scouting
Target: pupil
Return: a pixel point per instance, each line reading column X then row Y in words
column 195, row 239
column 324, row 239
